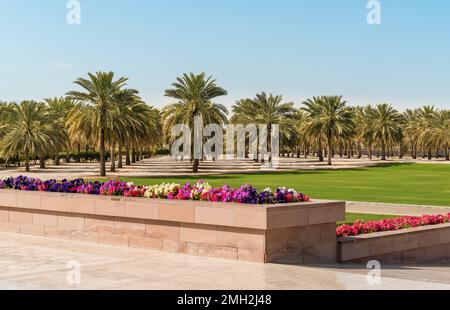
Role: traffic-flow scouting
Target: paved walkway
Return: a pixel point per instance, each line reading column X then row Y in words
column 395, row 209
column 166, row 166
column 29, row 262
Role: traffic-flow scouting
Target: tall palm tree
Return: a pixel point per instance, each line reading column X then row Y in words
column 30, row 132
column 386, row 127
column 331, row 116
column 194, row 95
column 99, row 96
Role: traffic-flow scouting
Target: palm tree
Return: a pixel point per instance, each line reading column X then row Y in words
column 59, row 109
column 427, row 116
column 266, row 110
column 195, row 95
column 99, row 96
column 386, row 127
column 30, row 132
column 331, row 116
column 441, row 132
column 411, row 130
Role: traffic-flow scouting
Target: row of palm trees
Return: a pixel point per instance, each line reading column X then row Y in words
column 106, row 115
column 103, row 115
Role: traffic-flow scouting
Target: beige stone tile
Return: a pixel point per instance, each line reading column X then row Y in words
column 70, row 222
column 20, row 217
column 114, row 239
column 85, row 236
column 195, row 233
column 250, row 218
column 241, row 238
column 329, row 214
column 7, row 198
column 9, row 226
column 163, row 230
column 251, row 255
column 146, row 243
column 141, row 209
column 57, row 232
column 4, row 215
column 48, row 201
column 84, row 204
column 27, row 200
column 218, row 251
column 45, row 219
column 134, row 227
column 285, row 217
column 214, row 216
column 176, row 213
column 96, row 223
column 110, row 207
column 32, row 229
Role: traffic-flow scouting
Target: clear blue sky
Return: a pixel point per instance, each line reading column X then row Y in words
column 298, row 48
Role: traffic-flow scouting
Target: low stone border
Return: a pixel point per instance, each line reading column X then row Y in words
column 414, row 245
column 300, row 232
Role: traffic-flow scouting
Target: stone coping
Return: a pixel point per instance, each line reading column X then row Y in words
column 264, row 217
column 404, row 243
column 393, row 233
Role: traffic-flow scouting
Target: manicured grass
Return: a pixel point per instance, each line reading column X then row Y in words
column 351, row 218
column 421, row 184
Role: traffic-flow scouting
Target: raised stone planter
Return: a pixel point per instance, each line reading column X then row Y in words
column 415, row 245
column 302, row 232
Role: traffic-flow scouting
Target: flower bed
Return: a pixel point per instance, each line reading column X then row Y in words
column 361, row 228
column 201, row 191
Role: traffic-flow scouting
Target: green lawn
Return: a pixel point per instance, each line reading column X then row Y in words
column 422, row 184
column 351, row 218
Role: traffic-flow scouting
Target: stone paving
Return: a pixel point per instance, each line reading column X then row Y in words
column 28, row 262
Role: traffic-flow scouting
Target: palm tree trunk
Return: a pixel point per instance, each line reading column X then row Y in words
column 447, row 154
column 330, row 149
column 320, row 153
column 370, row 151
column 120, row 163
column 102, row 153
column 133, row 155
column 113, row 157
column 430, row 155
column 196, row 165
column 383, row 150
column 57, row 160
column 42, row 162
column 27, row 164
column 127, row 155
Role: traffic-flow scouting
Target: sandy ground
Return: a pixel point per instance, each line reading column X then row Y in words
column 166, row 166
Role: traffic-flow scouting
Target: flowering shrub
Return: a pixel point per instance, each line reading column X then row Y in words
column 404, row 222
column 201, row 191
column 162, row 191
